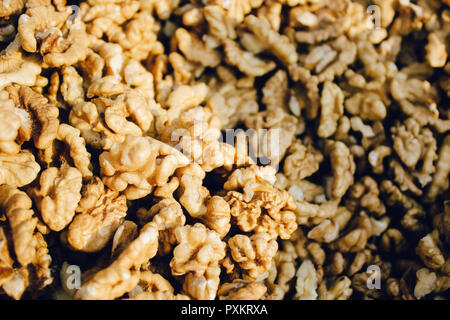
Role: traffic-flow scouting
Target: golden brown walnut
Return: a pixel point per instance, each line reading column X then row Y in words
column 393, row 241
column 17, row 206
column 442, row 222
column 232, row 100
column 368, row 105
column 132, row 113
column 365, row 194
column 195, row 50
column 356, row 239
column 253, row 255
column 301, row 190
column 42, row 262
column 246, row 61
column 220, row 26
column 367, row 97
column 377, row 156
column 184, row 71
column 40, row 276
column 167, row 190
column 426, row 283
column 192, row 194
column 393, row 287
column 306, row 283
column 241, row 290
column 166, row 214
column 123, row 107
column 396, row 196
column 343, row 167
column 197, row 249
column 58, row 195
column 281, row 272
column 162, row 8
column 101, row 211
column 326, row 209
column 429, row 252
column 332, row 103
column 196, row 133
column 192, row 16
column 418, row 99
column 311, row 87
column 337, row 264
column 408, row 141
column 326, row 21
column 262, row 208
column 105, row 87
column 53, row 88
column 367, row 132
column 279, row 45
column 153, row 286
column 340, row 289
column 203, row 287
column 15, row 125
column 217, row 215
column 213, row 211
column 86, row 116
column 17, row 68
column 361, row 258
column 271, row 11
column 6, row 262
column 436, row 47
column 301, row 161
column 122, row 275
column 9, row 8
column 125, row 233
column 330, row 60
column 18, row 170
column 403, row 178
column 274, row 132
column 316, row 253
column 137, row 37
column 80, row 156
column 72, row 85
column 440, row 180
column 326, row 231
column 37, row 22
column 275, row 91
column 183, row 98
column 16, row 287
column 118, row 12
column 138, row 164
column 113, row 61
column 236, row 10
column 239, row 178
column 46, row 115
column 66, row 50
column 30, row 246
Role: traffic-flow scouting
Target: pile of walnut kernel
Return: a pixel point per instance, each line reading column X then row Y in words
column 90, row 175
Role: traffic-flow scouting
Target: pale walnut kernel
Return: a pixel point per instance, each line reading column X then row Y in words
column 58, row 195
column 252, row 254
